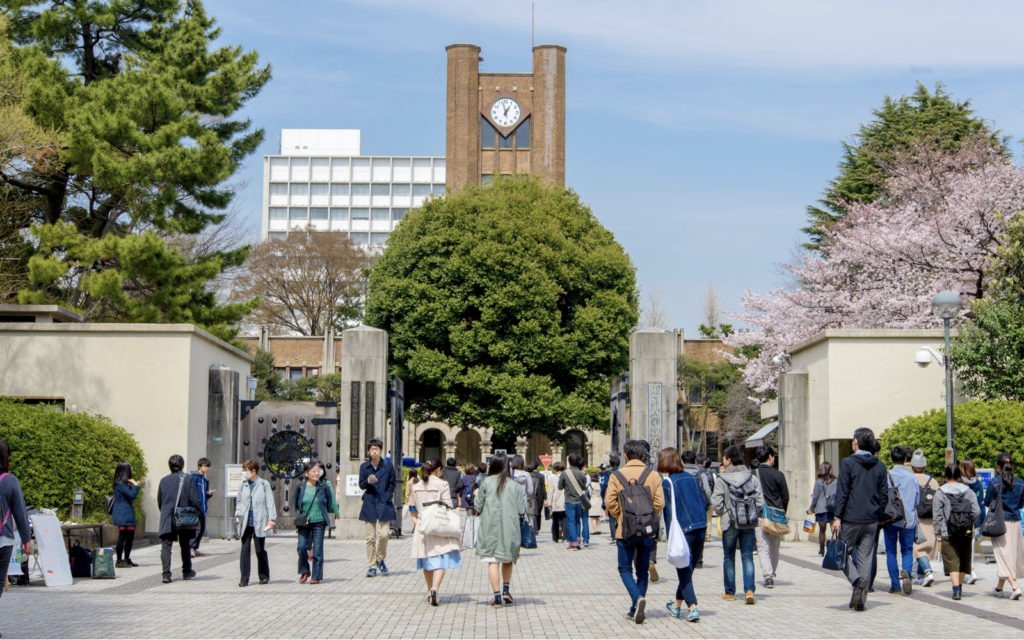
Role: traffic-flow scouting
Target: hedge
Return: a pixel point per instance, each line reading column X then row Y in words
column 981, row 431
column 53, row 453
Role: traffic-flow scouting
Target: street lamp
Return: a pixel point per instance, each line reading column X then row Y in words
column 946, row 305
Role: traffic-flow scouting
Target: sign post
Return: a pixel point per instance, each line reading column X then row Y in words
column 546, row 460
column 234, row 475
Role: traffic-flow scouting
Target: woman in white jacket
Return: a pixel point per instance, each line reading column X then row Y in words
column 256, row 515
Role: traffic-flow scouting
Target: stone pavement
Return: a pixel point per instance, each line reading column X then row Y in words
column 559, row 594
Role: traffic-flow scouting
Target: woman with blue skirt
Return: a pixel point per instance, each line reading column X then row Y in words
column 434, row 554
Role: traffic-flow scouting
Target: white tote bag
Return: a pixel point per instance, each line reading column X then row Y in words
column 678, row 549
column 469, row 534
column 438, row 519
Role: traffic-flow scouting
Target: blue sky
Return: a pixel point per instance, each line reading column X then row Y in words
column 697, row 131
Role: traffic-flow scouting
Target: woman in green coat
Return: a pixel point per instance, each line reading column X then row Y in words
column 501, row 504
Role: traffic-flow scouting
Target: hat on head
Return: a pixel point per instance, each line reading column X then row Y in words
column 918, row 460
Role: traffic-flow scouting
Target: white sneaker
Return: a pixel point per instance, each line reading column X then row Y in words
column 972, row 578
column 928, row 579
column 1016, row 594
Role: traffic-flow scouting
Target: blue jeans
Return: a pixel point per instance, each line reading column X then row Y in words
column 313, row 535
column 635, row 554
column 747, row 541
column 585, row 517
column 905, row 537
column 573, row 523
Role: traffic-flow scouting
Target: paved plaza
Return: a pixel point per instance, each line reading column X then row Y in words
column 559, row 594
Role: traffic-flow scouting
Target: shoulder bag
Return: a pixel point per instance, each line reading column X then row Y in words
column 995, row 521
column 773, row 520
column 584, row 498
column 439, row 519
column 302, row 519
column 527, row 538
column 678, row 549
column 184, row 518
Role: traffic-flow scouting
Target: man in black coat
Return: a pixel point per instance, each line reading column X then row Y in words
column 176, row 490
column 540, row 494
column 776, row 494
column 861, row 496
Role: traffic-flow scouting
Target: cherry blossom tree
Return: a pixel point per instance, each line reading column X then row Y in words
column 936, row 227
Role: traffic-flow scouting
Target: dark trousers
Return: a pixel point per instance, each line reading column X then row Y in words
column 860, row 542
column 557, row 525
column 5, row 562
column 262, row 560
column 167, row 541
column 684, row 590
column 536, row 521
column 310, row 538
column 200, row 532
column 125, row 539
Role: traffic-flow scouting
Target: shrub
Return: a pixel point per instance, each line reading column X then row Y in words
column 981, row 431
column 52, row 453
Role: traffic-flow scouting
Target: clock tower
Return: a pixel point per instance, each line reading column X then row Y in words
column 505, row 123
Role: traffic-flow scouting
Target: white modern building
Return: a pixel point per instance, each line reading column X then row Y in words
column 320, row 181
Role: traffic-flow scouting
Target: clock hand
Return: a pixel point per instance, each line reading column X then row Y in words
column 507, row 106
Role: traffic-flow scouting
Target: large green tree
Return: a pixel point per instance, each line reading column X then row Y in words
column 144, row 104
column 508, row 307
column 988, row 351
column 924, row 117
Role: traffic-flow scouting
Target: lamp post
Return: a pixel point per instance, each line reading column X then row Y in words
column 946, row 305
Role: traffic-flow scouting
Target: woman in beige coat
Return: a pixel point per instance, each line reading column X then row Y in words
column 434, row 554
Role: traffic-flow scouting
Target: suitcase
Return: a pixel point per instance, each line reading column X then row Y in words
column 103, row 563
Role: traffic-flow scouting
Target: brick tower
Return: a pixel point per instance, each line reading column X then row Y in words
column 505, row 123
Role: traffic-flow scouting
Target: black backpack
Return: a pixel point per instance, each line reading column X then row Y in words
column 894, row 507
column 638, row 517
column 743, row 509
column 960, row 522
column 80, row 560
column 924, row 507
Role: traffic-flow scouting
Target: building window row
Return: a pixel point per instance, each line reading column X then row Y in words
column 309, row 169
column 361, row 238
column 293, row 214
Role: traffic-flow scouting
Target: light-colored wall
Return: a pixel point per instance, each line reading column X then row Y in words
column 150, row 379
column 853, row 378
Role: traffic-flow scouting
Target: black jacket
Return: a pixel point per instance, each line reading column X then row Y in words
column 165, row 495
column 773, row 486
column 862, row 490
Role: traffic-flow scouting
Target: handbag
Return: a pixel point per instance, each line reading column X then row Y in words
column 547, row 513
column 302, row 519
column 809, row 526
column 108, row 504
column 995, row 520
column 439, row 519
column 678, row 548
column 773, row 521
column 584, row 498
column 528, row 539
column 835, row 554
column 184, row 518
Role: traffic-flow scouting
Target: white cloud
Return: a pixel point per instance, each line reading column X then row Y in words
column 780, row 34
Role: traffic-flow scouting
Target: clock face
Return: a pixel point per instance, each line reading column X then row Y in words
column 505, row 112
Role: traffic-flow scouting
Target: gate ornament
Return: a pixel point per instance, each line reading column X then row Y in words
column 286, row 454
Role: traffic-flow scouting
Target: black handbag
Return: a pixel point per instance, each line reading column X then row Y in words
column 894, row 507
column 184, row 518
column 995, row 520
column 302, row 519
column 835, row 555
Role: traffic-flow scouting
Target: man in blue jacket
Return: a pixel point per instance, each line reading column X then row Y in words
column 861, row 495
column 377, row 480
column 202, row 484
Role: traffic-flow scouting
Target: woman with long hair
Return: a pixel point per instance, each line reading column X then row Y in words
column 1008, row 548
column 822, row 500
column 126, row 489
column 501, row 504
column 969, row 477
column 685, row 501
column 434, row 554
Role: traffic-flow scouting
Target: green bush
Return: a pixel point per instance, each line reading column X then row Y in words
column 52, row 453
column 981, row 431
